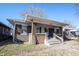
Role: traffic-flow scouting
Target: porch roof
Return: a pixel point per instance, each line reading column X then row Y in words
column 44, row 21
column 36, row 20
column 16, row 21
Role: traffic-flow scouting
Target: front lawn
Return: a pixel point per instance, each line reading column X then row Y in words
column 10, row 49
column 15, row 49
column 68, row 48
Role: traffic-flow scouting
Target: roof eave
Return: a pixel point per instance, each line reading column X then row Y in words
column 13, row 22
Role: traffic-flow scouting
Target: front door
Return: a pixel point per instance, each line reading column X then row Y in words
column 51, row 31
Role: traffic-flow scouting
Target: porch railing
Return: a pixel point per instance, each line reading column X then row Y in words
column 58, row 37
column 55, row 39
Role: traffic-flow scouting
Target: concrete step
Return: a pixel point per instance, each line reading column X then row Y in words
column 53, row 41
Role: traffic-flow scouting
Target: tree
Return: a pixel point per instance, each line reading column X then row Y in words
column 33, row 11
column 70, row 24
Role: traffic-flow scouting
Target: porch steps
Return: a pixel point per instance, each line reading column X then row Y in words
column 53, row 41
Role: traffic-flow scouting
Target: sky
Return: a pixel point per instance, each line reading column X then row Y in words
column 54, row 11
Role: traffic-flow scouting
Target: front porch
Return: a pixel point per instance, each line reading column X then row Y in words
column 36, row 33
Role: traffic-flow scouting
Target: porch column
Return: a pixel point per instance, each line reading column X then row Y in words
column 33, row 30
column 62, row 34
column 13, row 33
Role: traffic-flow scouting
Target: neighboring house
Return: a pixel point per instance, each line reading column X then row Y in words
column 35, row 29
column 4, row 32
column 71, row 32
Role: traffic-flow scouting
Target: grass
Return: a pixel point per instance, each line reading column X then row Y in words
column 11, row 49
column 68, row 48
column 15, row 49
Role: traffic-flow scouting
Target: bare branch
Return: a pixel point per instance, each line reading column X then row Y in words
column 33, row 11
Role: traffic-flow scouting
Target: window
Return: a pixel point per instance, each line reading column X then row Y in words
column 40, row 30
column 75, row 33
column 45, row 29
column 57, row 31
column 5, row 30
column 37, row 30
column 18, row 29
column 8, row 31
column 24, row 29
column 28, row 29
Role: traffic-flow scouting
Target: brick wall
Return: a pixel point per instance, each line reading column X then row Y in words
column 40, row 38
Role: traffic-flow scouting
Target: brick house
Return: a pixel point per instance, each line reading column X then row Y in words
column 36, row 30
